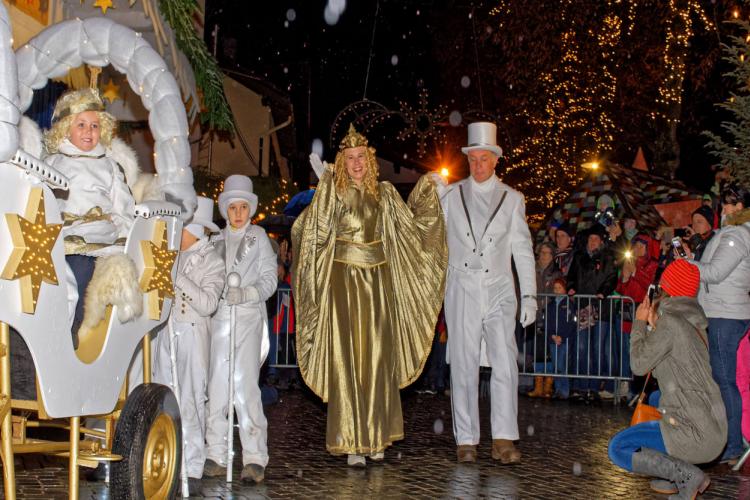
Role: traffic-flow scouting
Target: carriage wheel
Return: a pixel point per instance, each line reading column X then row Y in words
column 148, row 437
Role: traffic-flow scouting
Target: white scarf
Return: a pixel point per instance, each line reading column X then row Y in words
column 480, row 204
column 67, row 148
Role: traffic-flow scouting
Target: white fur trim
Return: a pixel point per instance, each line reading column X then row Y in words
column 147, row 189
column 115, row 281
column 30, row 139
column 126, row 157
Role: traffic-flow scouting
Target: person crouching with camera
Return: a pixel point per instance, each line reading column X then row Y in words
column 669, row 340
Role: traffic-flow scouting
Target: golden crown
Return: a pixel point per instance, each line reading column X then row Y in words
column 353, row 139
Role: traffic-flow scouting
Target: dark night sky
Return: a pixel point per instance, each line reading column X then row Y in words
column 330, row 62
column 323, row 68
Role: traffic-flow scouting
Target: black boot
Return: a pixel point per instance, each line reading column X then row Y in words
column 688, row 478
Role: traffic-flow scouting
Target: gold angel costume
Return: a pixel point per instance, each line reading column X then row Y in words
column 369, row 277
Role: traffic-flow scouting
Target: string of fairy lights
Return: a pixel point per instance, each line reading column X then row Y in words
column 575, row 126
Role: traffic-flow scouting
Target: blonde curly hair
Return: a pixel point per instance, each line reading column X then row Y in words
column 371, row 175
column 67, row 108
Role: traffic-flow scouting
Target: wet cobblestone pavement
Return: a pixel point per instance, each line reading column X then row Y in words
column 564, row 449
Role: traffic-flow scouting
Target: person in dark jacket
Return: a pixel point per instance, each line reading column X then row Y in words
column 701, row 230
column 560, row 326
column 564, row 238
column 669, row 340
column 593, row 274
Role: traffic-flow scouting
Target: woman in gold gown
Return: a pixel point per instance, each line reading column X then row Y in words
column 368, row 277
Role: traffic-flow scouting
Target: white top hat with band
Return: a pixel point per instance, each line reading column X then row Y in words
column 203, row 217
column 483, row 135
column 237, row 187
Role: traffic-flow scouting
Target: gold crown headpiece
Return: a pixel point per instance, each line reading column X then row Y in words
column 353, row 139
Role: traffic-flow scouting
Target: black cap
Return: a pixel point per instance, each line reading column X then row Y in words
column 566, row 228
column 707, row 213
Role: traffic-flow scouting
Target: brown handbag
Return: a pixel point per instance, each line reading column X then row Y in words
column 644, row 412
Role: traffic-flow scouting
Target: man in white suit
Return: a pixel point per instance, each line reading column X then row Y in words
column 486, row 223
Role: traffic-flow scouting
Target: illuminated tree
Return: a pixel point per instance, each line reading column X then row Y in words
column 733, row 150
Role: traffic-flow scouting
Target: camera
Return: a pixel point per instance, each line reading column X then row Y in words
column 605, row 217
column 651, row 292
column 677, row 244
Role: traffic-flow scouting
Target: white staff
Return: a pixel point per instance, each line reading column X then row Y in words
column 233, row 280
column 176, row 390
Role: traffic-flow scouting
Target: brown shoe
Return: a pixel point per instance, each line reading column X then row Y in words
column 213, row 469
column 503, row 450
column 253, row 473
column 467, row 453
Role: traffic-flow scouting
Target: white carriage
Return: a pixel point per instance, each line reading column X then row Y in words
column 142, row 436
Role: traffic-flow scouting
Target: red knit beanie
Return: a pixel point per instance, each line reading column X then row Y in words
column 681, row 279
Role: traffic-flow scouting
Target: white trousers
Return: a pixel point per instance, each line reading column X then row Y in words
column 479, row 308
column 247, row 402
column 191, row 354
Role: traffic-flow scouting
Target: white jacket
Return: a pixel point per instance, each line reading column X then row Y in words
column 95, row 181
column 199, row 283
column 488, row 252
column 725, row 271
column 255, row 262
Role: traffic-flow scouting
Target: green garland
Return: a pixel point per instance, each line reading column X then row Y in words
column 209, row 78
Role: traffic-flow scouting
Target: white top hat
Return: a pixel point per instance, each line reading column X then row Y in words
column 237, row 187
column 483, row 135
column 204, row 214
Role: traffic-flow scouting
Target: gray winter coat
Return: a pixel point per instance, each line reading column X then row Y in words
column 725, row 270
column 694, row 422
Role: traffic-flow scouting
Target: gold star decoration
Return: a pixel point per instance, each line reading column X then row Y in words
column 31, row 258
column 111, row 91
column 104, row 5
column 158, row 260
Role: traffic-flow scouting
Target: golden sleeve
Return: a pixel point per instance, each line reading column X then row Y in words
column 414, row 238
column 313, row 240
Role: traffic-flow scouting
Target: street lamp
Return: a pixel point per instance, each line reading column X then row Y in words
column 591, row 165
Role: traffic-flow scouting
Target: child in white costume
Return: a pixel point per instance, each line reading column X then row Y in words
column 98, row 206
column 247, row 251
column 198, row 287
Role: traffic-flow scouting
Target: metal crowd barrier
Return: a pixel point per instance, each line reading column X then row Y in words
column 597, row 346
column 281, row 330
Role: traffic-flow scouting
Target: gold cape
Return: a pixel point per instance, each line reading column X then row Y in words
column 368, row 279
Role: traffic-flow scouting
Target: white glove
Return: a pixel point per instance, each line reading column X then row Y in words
column 528, row 311
column 438, row 179
column 237, row 295
column 318, row 166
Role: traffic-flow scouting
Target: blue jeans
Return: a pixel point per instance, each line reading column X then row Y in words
column 83, row 269
column 724, row 337
column 438, row 368
column 630, row 440
column 561, row 364
column 593, row 355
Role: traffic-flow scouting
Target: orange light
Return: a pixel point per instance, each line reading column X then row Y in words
column 735, row 13
column 444, row 172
